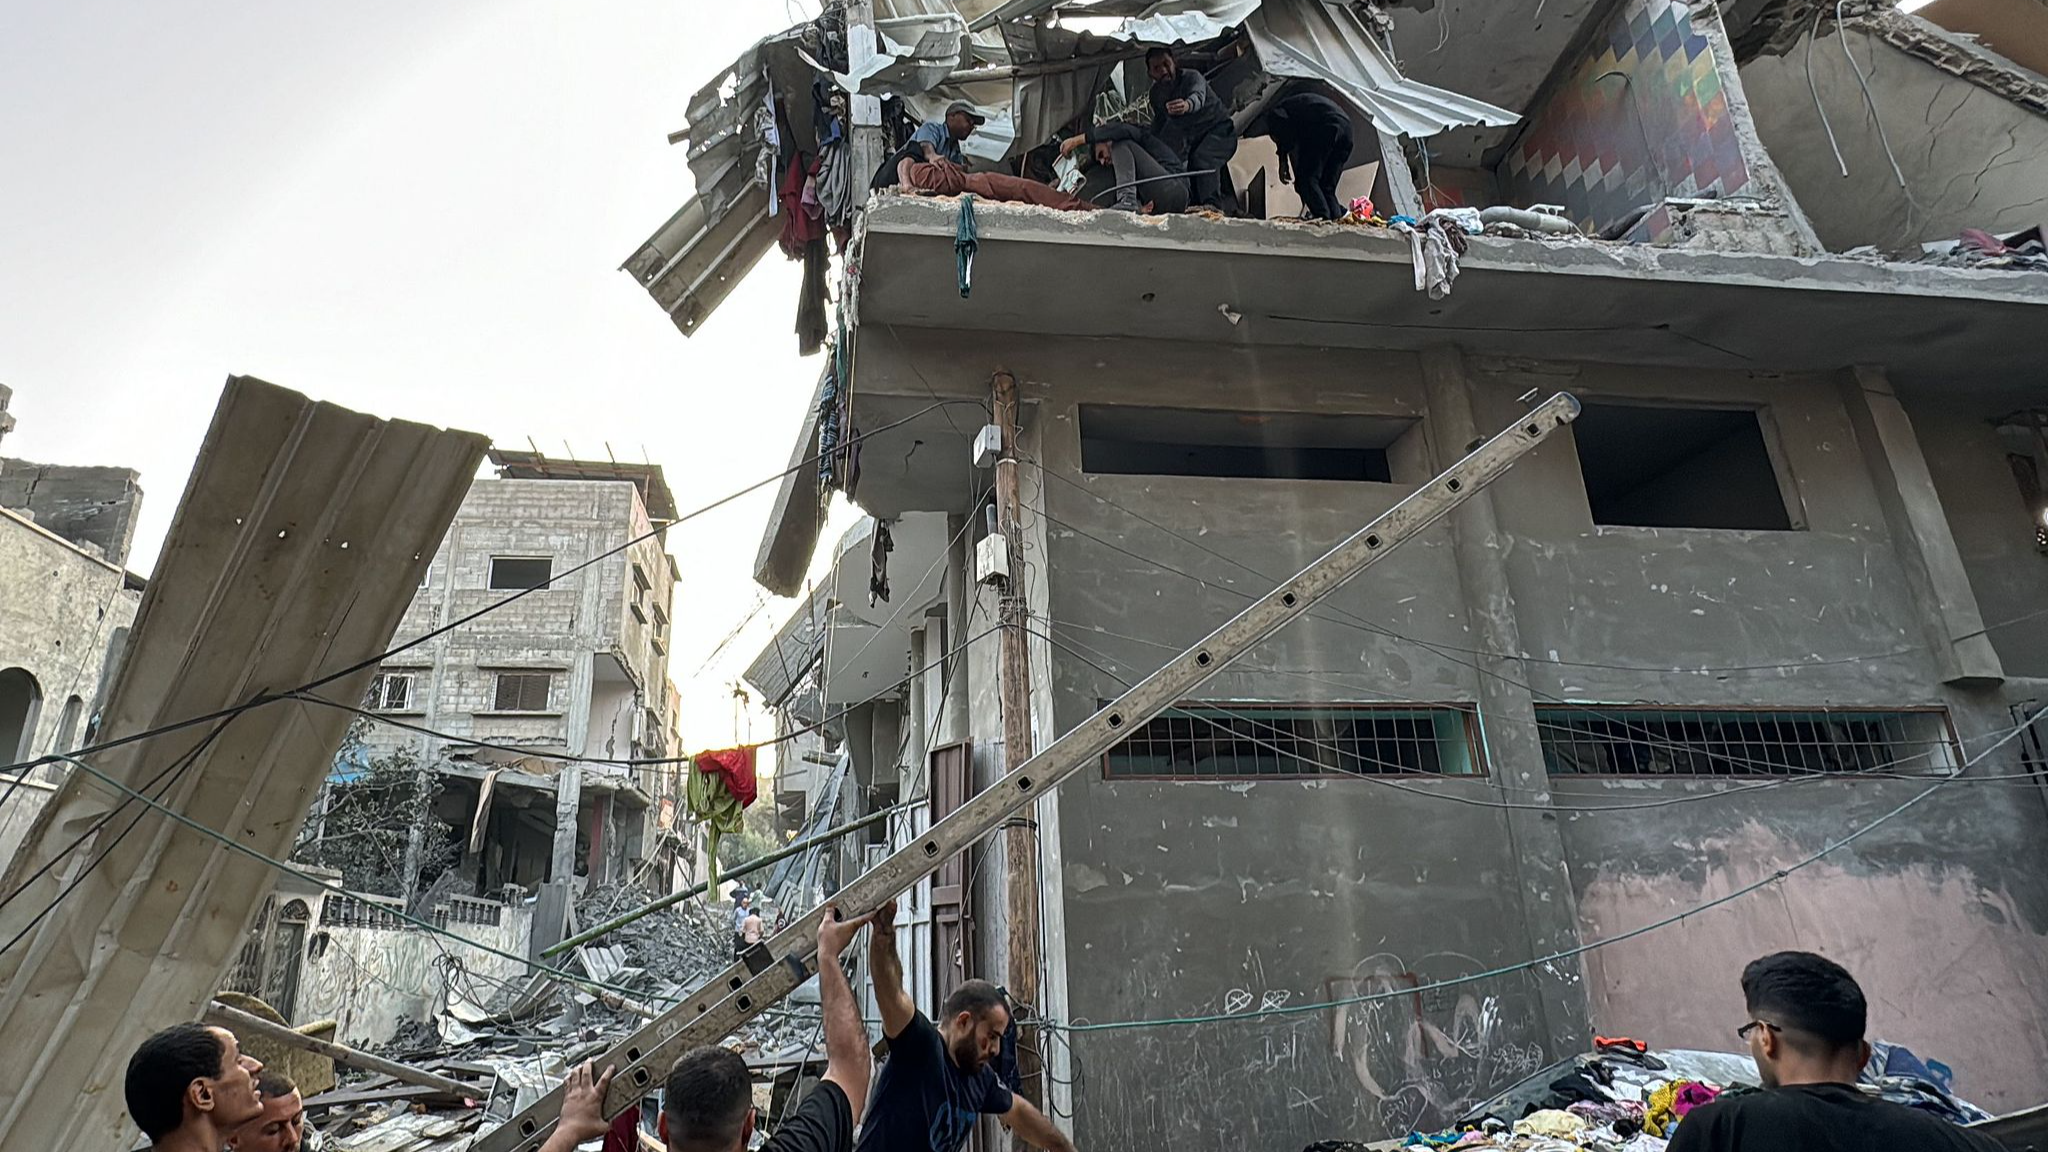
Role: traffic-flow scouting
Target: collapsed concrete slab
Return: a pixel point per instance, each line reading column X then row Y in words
column 300, row 540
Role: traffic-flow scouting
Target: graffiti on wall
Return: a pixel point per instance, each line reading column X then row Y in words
column 1641, row 117
column 1423, row 1055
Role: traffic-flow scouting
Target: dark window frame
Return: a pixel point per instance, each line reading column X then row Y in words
column 1785, row 485
column 1198, row 729
column 491, row 581
column 1735, row 757
column 526, row 676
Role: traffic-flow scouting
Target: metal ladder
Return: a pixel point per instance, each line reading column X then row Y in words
column 772, row 970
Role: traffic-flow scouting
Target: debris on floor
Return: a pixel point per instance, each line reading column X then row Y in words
column 1627, row 1097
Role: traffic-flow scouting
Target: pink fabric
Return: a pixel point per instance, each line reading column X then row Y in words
column 1692, row 1096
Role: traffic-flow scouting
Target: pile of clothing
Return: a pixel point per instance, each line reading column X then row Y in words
column 1975, row 248
column 1623, row 1097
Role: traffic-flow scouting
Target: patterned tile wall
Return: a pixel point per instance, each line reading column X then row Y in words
column 1641, row 117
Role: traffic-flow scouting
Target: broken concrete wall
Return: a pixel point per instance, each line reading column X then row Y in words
column 1940, row 913
column 1218, row 898
column 64, row 616
column 1971, row 156
column 94, row 507
column 1641, row 115
column 1647, row 134
column 1995, row 532
column 371, row 979
column 601, row 640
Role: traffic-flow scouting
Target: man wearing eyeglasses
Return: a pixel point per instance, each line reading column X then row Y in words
column 1806, row 1031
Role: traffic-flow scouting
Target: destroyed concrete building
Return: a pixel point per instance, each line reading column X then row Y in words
column 578, row 667
column 67, row 602
column 1784, row 578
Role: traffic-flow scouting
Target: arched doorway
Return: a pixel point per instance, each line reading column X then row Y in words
column 21, row 700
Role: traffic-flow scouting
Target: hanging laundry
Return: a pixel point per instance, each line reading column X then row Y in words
column 811, row 305
column 828, row 430
column 966, row 240
column 801, row 223
column 878, row 564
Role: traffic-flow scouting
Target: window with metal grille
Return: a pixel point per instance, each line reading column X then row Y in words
column 515, row 572
column 390, row 692
column 1689, row 742
column 522, row 691
column 1204, row 741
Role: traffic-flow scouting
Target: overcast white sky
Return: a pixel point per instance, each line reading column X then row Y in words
column 412, row 209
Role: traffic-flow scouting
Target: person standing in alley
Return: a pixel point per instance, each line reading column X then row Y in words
column 1194, row 122
column 1313, row 136
column 742, row 907
column 189, row 1088
column 938, row 1080
column 1806, row 1021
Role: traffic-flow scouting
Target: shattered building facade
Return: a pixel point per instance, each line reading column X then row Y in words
column 67, row 602
column 577, row 666
column 1783, row 581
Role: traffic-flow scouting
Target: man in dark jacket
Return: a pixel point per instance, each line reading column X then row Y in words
column 1313, row 136
column 1137, row 165
column 1194, row 123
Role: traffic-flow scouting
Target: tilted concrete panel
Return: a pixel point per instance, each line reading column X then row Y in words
column 298, row 544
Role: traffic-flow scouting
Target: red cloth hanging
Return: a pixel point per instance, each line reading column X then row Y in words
column 735, row 766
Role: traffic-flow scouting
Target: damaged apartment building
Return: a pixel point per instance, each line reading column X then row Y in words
column 67, row 601
column 578, row 666
column 1783, row 576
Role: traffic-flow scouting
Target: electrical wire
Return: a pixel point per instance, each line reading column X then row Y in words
column 372, row 661
column 1814, row 34
column 1561, row 954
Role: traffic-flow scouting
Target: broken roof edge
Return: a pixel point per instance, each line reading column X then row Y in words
column 1959, row 55
column 926, row 215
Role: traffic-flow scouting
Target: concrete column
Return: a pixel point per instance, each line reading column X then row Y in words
column 920, row 724
column 1400, row 178
column 1919, row 530
column 1507, row 718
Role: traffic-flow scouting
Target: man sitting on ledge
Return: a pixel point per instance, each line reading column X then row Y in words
column 932, row 162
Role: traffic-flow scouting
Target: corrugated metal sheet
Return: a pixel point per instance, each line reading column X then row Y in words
column 299, row 543
column 1313, row 41
column 695, row 260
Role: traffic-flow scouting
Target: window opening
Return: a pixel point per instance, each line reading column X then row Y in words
column 390, row 692
column 1693, row 742
column 1206, row 741
column 1655, row 467
column 1240, row 445
column 516, row 572
column 522, row 691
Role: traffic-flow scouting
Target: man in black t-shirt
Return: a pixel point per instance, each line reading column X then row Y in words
column 939, row 1079
column 708, row 1103
column 1806, row 1031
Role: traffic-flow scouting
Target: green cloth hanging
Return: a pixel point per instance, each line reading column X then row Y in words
column 713, row 805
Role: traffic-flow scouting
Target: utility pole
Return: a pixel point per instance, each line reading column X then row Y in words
column 1020, row 840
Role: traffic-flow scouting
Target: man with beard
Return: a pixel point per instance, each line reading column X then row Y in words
column 282, row 1126
column 939, row 1079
